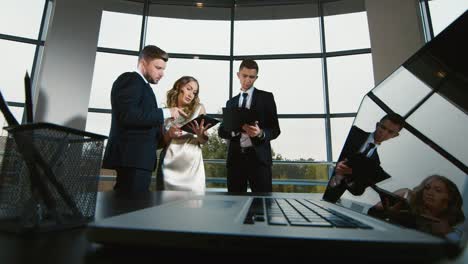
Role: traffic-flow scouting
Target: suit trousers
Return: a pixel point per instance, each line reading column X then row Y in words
column 249, row 171
column 132, row 180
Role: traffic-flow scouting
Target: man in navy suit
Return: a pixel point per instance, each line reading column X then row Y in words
column 359, row 164
column 136, row 122
column 249, row 159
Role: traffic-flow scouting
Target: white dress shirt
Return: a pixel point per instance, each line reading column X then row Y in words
column 245, row 140
column 370, row 139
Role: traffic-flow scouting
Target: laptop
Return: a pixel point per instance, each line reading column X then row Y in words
column 429, row 92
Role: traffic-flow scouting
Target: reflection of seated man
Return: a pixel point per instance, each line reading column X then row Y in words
column 435, row 206
column 360, row 152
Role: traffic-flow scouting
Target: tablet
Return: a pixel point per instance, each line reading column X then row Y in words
column 392, row 198
column 208, row 120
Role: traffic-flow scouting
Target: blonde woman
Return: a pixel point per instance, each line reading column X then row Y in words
column 181, row 163
column 436, row 202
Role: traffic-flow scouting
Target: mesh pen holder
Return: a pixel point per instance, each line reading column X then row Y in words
column 49, row 177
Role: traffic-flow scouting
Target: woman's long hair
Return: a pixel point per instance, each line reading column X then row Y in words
column 453, row 213
column 173, row 94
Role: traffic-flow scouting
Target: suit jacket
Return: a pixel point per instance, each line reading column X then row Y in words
column 136, row 124
column 365, row 170
column 263, row 104
column 353, row 144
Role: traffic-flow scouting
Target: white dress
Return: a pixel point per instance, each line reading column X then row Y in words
column 182, row 166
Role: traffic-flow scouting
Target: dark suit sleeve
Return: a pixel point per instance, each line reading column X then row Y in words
column 133, row 103
column 271, row 126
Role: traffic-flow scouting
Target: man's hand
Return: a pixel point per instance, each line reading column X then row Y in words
column 176, row 112
column 252, row 130
column 342, row 168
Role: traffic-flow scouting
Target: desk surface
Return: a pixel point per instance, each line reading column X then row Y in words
column 71, row 246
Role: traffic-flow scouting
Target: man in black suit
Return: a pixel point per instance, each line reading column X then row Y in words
column 136, row 123
column 359, row 164
column 249, row 153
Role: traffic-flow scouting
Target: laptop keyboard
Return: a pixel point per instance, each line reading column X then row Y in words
column 297, row 212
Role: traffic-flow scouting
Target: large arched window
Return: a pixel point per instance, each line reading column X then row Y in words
column 22, row 32
column 314, row 57
column 438, row 14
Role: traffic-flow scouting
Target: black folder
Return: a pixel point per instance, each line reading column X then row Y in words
column 391, row 198
column 208, row 120
column 235, row 118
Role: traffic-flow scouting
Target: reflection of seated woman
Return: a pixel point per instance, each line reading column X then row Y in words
column 181, row 163
column 435, row 206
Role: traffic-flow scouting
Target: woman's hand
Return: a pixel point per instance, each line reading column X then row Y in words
column 200, row 130
column 174, row 132
column 439, row 226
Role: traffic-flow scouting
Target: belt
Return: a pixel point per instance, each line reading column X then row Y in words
column 247, row 150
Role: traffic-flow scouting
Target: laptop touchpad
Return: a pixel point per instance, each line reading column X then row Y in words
column 209, row 204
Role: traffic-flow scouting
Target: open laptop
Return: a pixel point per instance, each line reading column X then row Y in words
column 430, row 91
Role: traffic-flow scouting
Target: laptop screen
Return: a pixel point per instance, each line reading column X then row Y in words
column 405, row 158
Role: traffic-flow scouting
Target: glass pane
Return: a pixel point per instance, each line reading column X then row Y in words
column 339, row 131
column 17, row 113
column 437, row 130
column 406, row 158
column 419, row 161
column 296, row 84
column 120, row 31
column 303, row 173
column 369, row 113
column 346, row 31
column 192, row 36
column 300, row 139
column 349, row 79
column 444, row 12
column 106, row 70
column 17, row 58
column 215, row 174
column 21, row 18
column 298, row 188
column 276, row 36
column 216, row 147
column 401, row 82
column 98, row 123
column 212, row 75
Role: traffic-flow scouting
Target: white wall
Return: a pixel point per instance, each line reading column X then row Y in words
column 64, row 82
column 396, row 33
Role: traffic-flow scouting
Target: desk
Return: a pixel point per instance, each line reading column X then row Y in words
column 71, row 246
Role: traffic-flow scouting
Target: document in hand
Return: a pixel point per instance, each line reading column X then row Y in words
column 234, row 118
column 208, row 120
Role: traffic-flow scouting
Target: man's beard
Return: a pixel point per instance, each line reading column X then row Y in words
column 150, row 80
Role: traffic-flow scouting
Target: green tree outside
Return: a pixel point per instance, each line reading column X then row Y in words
column 216, row 148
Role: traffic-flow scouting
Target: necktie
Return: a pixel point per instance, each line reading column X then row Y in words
column 244, row 99
column 368, row 148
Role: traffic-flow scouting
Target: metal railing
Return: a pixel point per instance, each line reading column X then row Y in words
column 276, row 181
